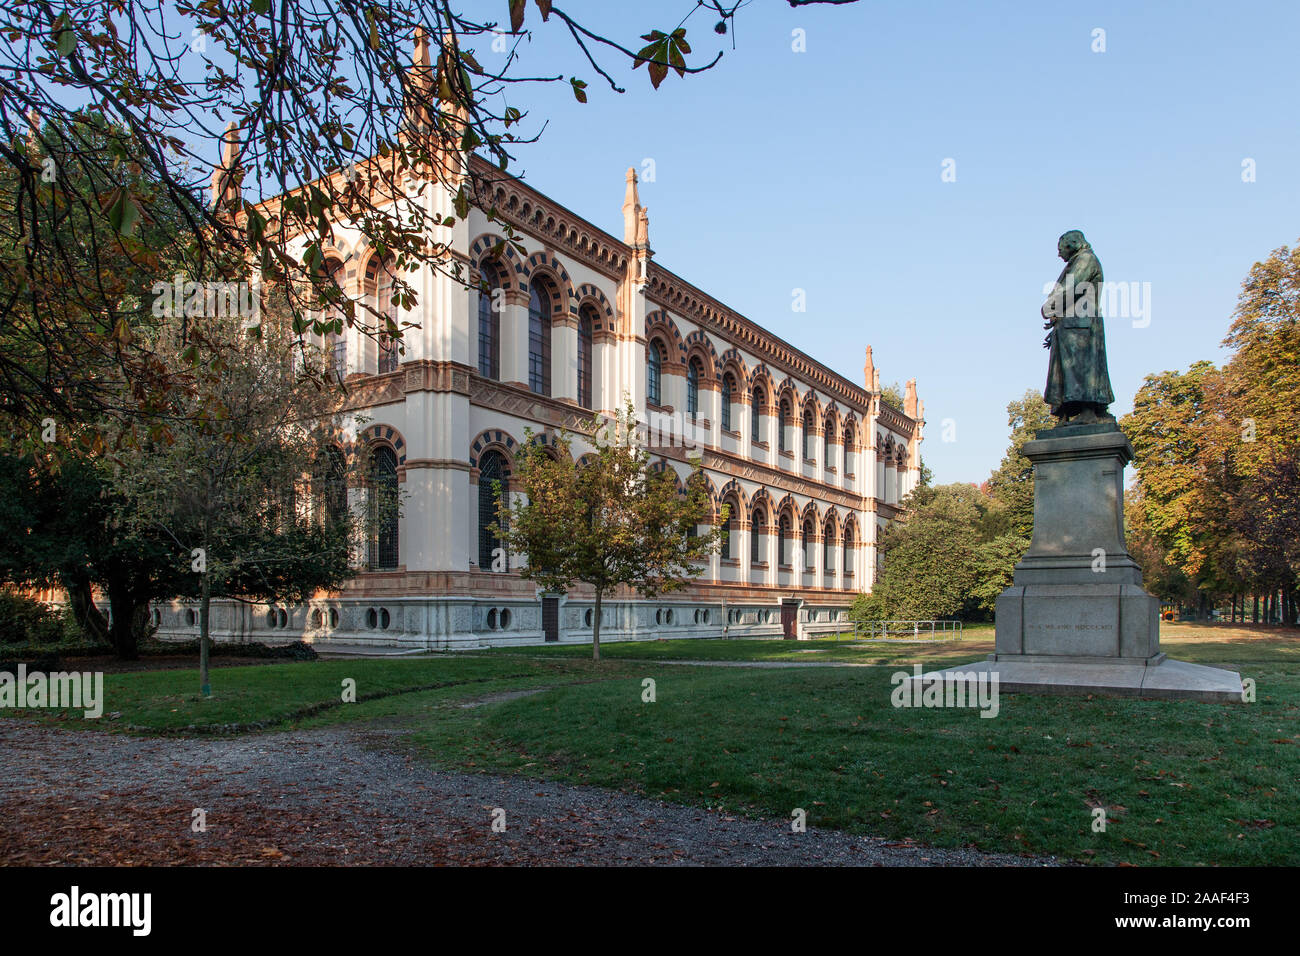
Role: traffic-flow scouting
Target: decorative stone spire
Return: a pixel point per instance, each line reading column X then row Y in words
column 421, row 79
column 228, row 173
column 643, row 230
column 631, row 209
column 869, row 371
column 909, row 399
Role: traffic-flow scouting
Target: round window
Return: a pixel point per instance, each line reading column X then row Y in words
column 668, row 616
column 334, row 617
column 283, row 617
column 505, row 618
column 317, row 619
column 492, row 619
column 384, row 619
column 372, row 618
column 589, row 617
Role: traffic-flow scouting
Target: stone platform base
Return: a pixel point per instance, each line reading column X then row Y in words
column 1165, row 679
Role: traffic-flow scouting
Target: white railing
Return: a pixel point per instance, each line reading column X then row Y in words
column 907, row 631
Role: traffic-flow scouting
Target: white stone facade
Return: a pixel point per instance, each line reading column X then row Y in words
column 800, row 449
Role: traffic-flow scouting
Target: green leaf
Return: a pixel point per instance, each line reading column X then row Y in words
column 580, row 89
column 65, row 39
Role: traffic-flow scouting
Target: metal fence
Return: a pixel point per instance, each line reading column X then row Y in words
column 907, row 631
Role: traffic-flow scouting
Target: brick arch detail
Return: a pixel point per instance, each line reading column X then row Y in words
column 514, row 272
column 493, row 438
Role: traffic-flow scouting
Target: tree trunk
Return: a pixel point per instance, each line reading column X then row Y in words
column 1232, row 619
column 129, row 615
column 595, row 628
column 205, row 604
column 81, row 600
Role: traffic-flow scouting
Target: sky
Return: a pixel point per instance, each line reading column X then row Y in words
column 823, row 170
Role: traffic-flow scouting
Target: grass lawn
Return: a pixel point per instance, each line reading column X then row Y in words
column 1181, row 782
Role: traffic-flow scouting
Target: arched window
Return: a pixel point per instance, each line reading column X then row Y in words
column 783, row 533
column 828, row 548
column 757, row 530
column 492, row 485
column 848, row 551
column 489, row 327
column 729, row 533
column 654, row 367
column 782, row 424
column 586, row 325
column 848, row 448
column 331, row 487
column 383, row 508
column 728, row 391
column 693, row 387
column 336, row 340
column 755, row 415
column 828, row 429
column 808, row 532
column 539, row 339
column 387, row 310
column 808, row 427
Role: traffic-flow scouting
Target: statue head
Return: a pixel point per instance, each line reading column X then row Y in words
column 1070, row 243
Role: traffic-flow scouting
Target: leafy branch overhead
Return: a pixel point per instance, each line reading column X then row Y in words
column 319, row 113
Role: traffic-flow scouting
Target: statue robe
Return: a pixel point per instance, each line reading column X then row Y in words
column 1076, row 366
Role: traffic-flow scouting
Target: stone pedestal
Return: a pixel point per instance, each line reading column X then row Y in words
column 1076, row 619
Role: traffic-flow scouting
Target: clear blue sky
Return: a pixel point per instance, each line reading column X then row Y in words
column 821, row 170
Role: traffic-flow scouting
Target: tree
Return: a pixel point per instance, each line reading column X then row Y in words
column 60, row 519
column 320, row 112
column 1181, row 500
column 929, row 568
column 608, row 519
column 1255, row 433
column 1012, row 485
column 995, row 565
column 229, row 481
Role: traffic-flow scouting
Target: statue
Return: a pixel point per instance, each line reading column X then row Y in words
column 1078, row 382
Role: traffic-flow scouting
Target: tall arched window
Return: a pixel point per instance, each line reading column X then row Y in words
column 848, row 551
column 539, row 339
column 728, row 391
column 828, row 548
column 489, row 327
column 848, row 448
column 758, row 528
column 808, row 427
column 783, row 533
column 383, row 508
column 654, row 369
column 729, row 532
column 336, row 340
column 783, row 422
column 755, row 414
column 808, row 532
column 586, row 327
column 492, row 485
column 828, row 429
column 331, row 487
column 693, row 370
column 387, row 310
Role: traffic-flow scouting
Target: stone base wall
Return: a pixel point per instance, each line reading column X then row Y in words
column 464, row 623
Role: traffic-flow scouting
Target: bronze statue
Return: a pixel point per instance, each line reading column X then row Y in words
column 1078, row 382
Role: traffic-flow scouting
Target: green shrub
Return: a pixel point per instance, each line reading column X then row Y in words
column 24, row 620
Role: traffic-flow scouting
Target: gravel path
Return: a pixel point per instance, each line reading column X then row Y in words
column 344, row 795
